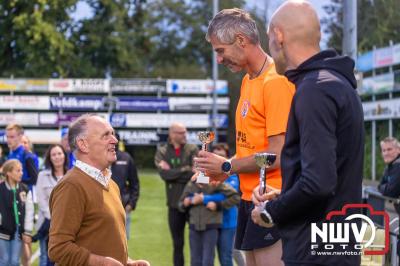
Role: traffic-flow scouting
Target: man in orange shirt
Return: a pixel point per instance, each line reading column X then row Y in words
column 261, row 119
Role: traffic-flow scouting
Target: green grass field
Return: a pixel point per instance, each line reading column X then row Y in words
column 150, row 237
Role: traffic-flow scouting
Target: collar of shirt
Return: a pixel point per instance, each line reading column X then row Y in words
column 18, row 150
column 95, row 173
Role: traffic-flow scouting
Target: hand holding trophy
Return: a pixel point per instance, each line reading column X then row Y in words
column 263, row 160
column 205, row 137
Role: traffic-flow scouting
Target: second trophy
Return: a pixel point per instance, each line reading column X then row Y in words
column 264, row 160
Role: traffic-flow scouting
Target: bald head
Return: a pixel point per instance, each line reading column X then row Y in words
column 176, row 126
column 299, row 22
column 177, row 134
column 294, row 34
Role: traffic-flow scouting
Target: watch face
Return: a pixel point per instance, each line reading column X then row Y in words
column 226, row 166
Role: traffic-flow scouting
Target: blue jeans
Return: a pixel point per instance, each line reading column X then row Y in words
column 43, row 252
column 10, row 251
column 225, row 246
column 128, row 224
column 202, row 247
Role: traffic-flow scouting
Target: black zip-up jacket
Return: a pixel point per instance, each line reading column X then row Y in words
column 124, row 173
column 390, row 182
column 181, row 170
column 322, row 158
column 8, row 226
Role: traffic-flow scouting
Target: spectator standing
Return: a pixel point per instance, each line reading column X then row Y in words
column 16, row 213
column 226, row 234
column 56, row 166
column 65, row 144
column 125, row 174
column 205, row 218
column 29, row 161
column 174, row 161
column 14, row 133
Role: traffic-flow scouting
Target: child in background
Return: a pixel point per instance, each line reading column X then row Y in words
column 227, row 231
column 16, row 214
column 205, row 219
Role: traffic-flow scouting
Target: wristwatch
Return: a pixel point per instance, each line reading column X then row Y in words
column 266, row 217
column 226, row 167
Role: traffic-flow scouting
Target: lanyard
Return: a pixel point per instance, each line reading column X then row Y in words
column 15, row 207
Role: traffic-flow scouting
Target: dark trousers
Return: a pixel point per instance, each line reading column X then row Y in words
column 202, row 247
column 177, row 221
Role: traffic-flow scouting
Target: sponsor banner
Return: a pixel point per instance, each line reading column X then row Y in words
column 43, row 136
column 137, row 85
column 396, row 54
column 24, row 102
column 365, row 62
column 139, row 137
column 378, row 84
column 55, row 119
column 140, row 120
column 197, row 103
column 24, row 84
column 24, row 119
column 79, row 85
column 195, row 86
column 48, row 119
column 37, row 136
column 142, row 104
column 148, row 137
column 118, row 120
column 380, row 110
column 85, row 103
column 383, row 57
column 165, row 120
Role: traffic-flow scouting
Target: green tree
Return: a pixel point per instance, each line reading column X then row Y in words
column 33, row 39
column 113, row 41
column 177, row 31
column 377, row 23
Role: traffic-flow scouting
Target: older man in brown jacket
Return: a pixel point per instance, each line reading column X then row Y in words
column 87, row 217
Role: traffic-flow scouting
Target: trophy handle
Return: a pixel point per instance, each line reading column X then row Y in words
column 204, row 146
column 263, row 181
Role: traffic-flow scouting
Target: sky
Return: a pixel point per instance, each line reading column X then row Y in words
column 273, row 4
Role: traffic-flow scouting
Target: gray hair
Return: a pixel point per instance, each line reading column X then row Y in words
column 77, row 129
column 229, row 22
column 392, row 140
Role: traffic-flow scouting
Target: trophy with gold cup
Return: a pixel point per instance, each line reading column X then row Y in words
column 205, row 137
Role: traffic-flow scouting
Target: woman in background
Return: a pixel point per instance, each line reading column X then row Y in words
column 56, row 165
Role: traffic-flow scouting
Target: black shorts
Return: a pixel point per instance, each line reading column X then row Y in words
column 250, row 236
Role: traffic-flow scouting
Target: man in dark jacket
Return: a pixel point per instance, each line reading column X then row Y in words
column 124, row 173
column 322, row 158
column 174, row 161
column 390, row 182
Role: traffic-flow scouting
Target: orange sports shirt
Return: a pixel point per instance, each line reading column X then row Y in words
column 262, row 111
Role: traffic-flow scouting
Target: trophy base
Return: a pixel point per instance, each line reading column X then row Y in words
column 202, row 179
